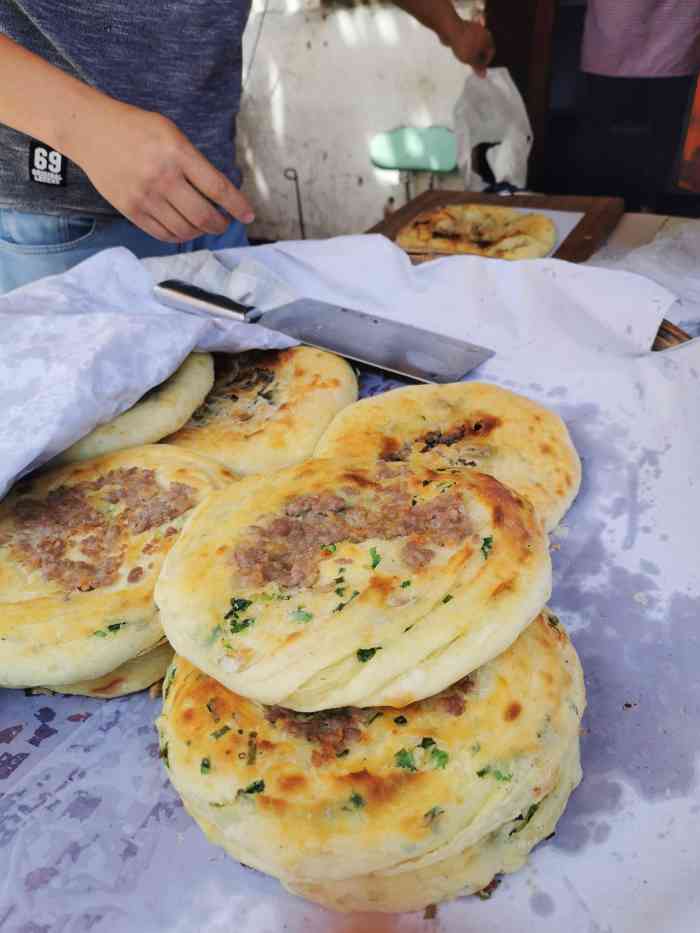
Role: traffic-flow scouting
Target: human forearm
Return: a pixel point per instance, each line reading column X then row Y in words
column 137, row 159
column 44, row 102
column 469, row 40
column 438, row 15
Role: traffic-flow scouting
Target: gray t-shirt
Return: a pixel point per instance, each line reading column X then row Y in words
column 181, row 58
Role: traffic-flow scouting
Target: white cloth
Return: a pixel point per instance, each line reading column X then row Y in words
column 671, row 259
column 80, row 348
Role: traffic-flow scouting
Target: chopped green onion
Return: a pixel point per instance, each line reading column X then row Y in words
column 404, row 759
column 366, row 654
column 301, row 615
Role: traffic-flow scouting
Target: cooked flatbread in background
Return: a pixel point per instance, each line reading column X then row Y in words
column 81, row 547
column 328, row 585
column 465, row 425
column 268, row 409
column 131, row 677
column 160, row 412
column 479, row 230
column 378, row 809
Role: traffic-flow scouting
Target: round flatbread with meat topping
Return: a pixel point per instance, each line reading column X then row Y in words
column 160, row 412
column 81, row 547
column 323, row 800
column 327, row 585
column 479, row 230
column 131, row 677
column 466, row 425
column 267, row 410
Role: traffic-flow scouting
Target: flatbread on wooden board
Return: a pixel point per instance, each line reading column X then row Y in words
column 479, row 230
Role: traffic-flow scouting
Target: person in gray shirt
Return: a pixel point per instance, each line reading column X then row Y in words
column 117, row 125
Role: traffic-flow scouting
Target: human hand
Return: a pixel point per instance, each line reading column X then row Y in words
column 471, row 43
column 153, row 175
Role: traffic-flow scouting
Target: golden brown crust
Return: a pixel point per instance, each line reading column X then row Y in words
column 81, row 547
column 465, row 426
column 268, row 409
column 330, row 584
column 349, row 791
column 138, row 674
column 162, row 410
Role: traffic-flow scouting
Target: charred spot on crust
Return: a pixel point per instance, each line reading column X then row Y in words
column 504, row 587
column 480, row 425
column 513, row 711
column 291, row 783
column 382, row 790
column 483, row 425
column 392, row 451
column 359, row 479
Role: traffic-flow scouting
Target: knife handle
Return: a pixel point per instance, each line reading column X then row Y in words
column 185, row 297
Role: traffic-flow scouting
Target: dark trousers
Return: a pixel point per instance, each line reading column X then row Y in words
column 628, row 138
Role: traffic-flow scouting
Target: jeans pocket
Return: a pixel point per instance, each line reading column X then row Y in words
column 26, row 233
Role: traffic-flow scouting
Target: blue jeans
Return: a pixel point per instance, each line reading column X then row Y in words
column 35, row 245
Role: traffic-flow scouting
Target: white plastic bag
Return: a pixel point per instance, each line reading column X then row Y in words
column 491, row 110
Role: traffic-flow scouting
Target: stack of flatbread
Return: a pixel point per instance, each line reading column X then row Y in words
column 82, row 543
column 369, row 698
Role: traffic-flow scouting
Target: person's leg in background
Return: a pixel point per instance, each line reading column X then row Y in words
column 36, row 245
column 612, row 139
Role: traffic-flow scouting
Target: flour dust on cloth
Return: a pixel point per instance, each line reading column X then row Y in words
column 350, row 794
column 81, row 547
column 327, row 585
column 79, row 349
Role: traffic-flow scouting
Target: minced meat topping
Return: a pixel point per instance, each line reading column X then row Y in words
column 335, row 731
column 287, row 548
column 77, row 535
column 244, row 385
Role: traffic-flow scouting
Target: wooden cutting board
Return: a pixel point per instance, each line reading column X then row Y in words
column 601, row 216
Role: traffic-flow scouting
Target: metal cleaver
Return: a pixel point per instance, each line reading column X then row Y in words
column 397, row 348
